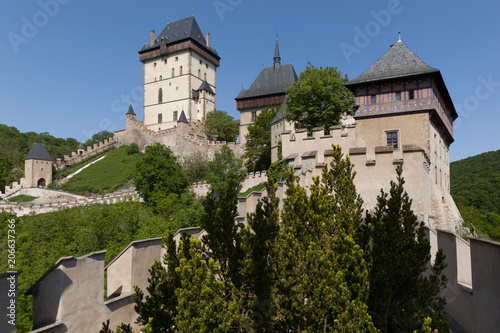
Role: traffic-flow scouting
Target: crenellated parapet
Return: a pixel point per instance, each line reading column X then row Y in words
column 22, row 209
column 252, row 179
column 472, row 292
column 81, row 155
column 183, row 140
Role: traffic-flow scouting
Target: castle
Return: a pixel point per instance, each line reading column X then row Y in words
column 403, row 114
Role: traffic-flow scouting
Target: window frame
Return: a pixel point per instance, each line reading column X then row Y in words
column 392, row 138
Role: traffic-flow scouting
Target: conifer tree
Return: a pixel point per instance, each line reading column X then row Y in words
column 322, row 277
column 398, row 253
column 203, row 304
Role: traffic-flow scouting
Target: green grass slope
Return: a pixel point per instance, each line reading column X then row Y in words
column 108, row 175
column 475, row 186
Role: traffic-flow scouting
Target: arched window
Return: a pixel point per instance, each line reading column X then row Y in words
column 160, row 96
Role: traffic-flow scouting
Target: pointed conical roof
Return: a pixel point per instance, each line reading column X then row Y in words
column 398, row 61
column 206, row 86
column 182, row 118
column 130, row 110
column 80, row 146
column 38, row 152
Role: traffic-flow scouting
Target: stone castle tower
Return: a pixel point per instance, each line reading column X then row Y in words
column 37, row 167
column 268, row 90
column 179, row 75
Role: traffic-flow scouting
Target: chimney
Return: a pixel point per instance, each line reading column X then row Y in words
column 208, row 39
column 152, row 37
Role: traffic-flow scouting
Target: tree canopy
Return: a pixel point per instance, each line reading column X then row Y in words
column 98, row 137
column 219, row 126
column 258, row 141
column 159, row 174
column 318, row 98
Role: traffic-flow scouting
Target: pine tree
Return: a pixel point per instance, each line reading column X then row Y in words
column 322, row 277
column 398, row 253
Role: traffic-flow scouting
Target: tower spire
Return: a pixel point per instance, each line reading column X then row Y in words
column 277, row 58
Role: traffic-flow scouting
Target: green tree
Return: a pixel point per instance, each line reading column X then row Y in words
column 219, row 126
column 98, row 137
column 258, row 141
column 202, row 305
column 398, row 253
column 225, row 170
column 322, row 276
column 195, row 166
column 159, row 174
column 318, row 98
column 161, row 303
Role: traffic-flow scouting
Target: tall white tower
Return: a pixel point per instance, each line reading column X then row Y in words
column 179, row 75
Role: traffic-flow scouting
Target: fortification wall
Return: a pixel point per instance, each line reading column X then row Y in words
column 97, row 148
column 12, row 189
column 251, row 180
column 183, row 140
column 473, row 272
column 47, row 207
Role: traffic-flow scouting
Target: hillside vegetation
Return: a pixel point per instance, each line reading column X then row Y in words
column 14, row 146
column 475, row 186
column 114, row 171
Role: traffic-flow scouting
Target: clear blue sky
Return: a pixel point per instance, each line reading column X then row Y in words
column 76, row 71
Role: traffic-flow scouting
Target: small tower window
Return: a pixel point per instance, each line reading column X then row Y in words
column 180, row 71
column 254, row 116
column 173, row 72
column 199, row 73
column 411, row 94
column 374, row 99
column 392, row 139
column 160, row 118
column 176, row 58
column 160, row 77
column 205, row 76
column 200, row 62
column 398, row 96
column 160, row 96
column 175, row 115
column 154, row 64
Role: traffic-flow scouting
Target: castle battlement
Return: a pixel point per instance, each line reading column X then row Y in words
column 79, row 156
column 22, row 209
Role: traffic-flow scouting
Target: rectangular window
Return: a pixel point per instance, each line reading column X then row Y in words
column 374, row 99
column 411, row 94
column 175, row 115
column 160, row 118
column 392, row 139
column 254, row 116
column 398, row 96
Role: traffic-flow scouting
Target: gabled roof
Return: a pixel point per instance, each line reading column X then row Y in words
column 130, row 110
column 398, row 61
column 205, row 86
column 180, row 30
column 38, row 152
column 281, row 112
column 182, row 118
column 271, row 80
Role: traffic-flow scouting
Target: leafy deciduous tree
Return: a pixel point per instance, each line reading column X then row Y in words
column 219, row 126
column 318, row 98
column 98, row 137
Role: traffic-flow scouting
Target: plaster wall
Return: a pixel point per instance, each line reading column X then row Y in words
column 35, row 170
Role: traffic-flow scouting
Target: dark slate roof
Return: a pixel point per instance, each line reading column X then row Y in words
column 271, row 80
column 281, row 112
column 38, row 152
column 178, row 31
column 182, row 118
column 398, row 61
column 205, row 86
column 130, row 110
column 80, row 146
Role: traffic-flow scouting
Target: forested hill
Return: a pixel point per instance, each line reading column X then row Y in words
column 475, row 186
column 14, row 146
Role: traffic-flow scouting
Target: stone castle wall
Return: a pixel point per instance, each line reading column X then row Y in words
column 183, row 140
column 97, row 148
column 76, row 285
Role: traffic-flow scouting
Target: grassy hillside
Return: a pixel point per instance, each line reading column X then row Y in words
column 475, row 186
column 109, row 174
